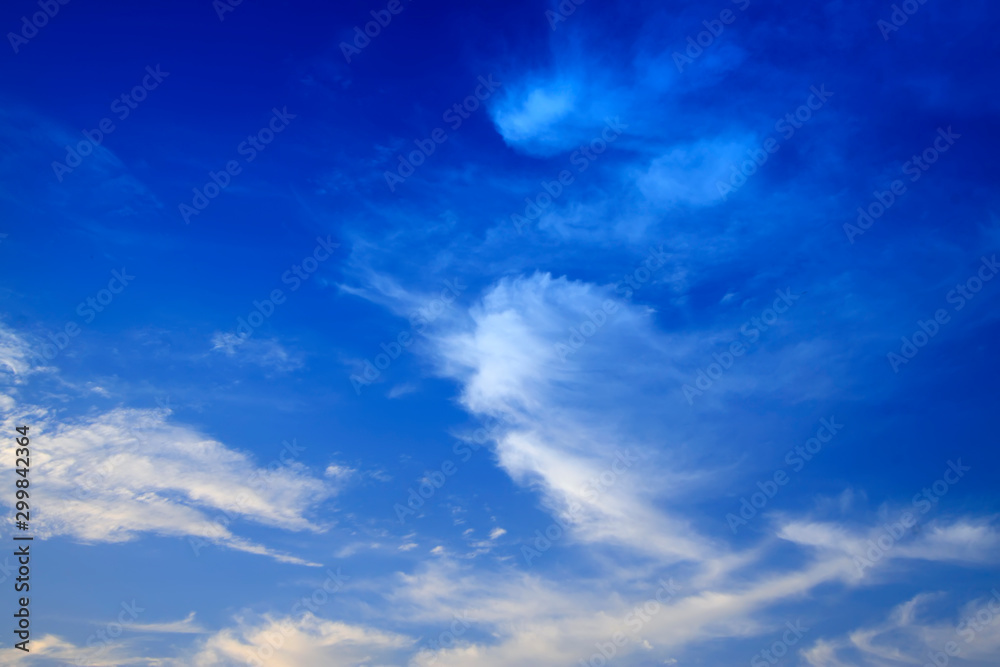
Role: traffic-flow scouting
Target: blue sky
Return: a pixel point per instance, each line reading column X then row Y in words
column 509, row 333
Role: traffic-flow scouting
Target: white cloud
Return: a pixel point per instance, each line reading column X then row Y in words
column 509, row 364
column 963, row 540
column 532, row 116
column 339, row 472
column 907, row 636
column 689, row 174
column 187, row 625
column 304, row 642
column 402, row 390
column 267, row 353
column 562, row 421
column 531, row 620
column 53, row 650
column 15, row 355
column 113, row 476
column 100, row 650
column 282, row 641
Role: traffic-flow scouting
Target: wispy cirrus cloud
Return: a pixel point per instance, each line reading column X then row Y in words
column 113, row 476
column 268, row 353
column 912, row 635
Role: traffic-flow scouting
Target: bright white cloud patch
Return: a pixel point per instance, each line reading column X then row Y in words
column 300, row 642
column 533, row 116
column 521, row 360
column 114, row 476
